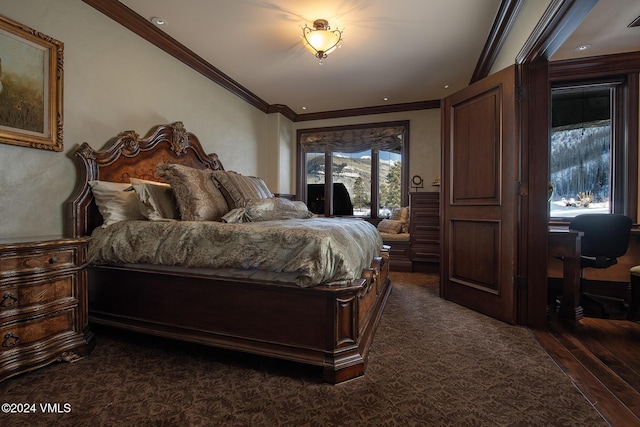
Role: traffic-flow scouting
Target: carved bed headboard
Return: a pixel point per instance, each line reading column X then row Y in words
column 129, row 156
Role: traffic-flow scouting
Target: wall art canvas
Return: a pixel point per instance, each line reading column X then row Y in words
column 30, row 87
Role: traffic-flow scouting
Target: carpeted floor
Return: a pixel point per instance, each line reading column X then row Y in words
column 432, row 363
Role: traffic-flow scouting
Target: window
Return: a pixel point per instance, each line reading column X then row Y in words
column 581, row 148
column 588, row 159
column 367, row 168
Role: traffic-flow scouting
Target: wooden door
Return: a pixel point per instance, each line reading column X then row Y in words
column 479, row 196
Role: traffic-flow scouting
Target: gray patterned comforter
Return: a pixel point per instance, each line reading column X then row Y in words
column 318, row 250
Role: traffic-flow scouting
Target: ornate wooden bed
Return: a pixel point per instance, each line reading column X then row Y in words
column 327, row 325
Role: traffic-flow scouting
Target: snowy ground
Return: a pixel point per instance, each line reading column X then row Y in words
column 558, row 209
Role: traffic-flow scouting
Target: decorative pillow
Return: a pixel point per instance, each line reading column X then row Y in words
column 401, row 214
column 114, row 202
column 196, row 193
column 390, row 226
column 239, row 189
column 268, row 209
column 157, row 201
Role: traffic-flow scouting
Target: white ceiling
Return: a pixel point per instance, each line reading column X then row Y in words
column 606, row 29
column 404, row 50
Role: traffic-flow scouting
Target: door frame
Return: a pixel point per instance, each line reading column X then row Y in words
column 560, row 19
column 558, row 22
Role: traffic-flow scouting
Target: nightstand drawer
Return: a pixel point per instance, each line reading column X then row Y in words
column 22, row 334
column 22, row 297
column 43, row 302
column 33, row 262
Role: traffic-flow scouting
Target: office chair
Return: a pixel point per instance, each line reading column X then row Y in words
column 606, row 238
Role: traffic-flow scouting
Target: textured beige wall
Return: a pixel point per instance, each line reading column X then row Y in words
column 527, row 19
column 424, row 139
column 115, row 81
column 279, row 154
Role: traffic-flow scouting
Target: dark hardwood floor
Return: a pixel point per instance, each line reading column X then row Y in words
column 602, row 357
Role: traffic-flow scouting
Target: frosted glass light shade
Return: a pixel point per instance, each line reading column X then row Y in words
column 320, row 40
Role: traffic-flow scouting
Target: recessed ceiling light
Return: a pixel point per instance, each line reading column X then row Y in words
column 158, row 22
column 582, row 47
column 385, row 99
column 446, row 86
column 304, row 108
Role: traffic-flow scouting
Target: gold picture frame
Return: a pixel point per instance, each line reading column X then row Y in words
column 31, row 84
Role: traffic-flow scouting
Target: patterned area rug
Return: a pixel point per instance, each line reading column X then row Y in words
column 432, row 363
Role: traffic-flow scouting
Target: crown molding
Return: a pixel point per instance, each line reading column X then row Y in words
column 506, row 16
column 284, row 110
column 560, row 19
column 145, row 29
column 365, row 111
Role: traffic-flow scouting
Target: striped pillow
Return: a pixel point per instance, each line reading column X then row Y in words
column 239, row 189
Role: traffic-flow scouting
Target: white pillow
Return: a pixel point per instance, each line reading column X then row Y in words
column 157, row 201
column 114, row 202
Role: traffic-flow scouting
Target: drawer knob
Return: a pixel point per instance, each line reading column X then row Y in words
column 8, row 300
column 53, row 260
column 10, row 340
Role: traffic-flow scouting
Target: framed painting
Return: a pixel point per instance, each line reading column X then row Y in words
column 30, row 87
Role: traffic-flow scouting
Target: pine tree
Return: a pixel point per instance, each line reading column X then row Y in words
column 360, row 194
column 393, row 180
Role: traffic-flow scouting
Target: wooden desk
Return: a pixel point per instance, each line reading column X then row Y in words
column 566, row 243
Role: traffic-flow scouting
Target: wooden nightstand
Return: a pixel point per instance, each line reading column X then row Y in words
column 43, row 303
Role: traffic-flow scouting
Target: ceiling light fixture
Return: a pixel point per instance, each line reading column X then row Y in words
column 582, row 47
column 321, row 40
column 158, row 22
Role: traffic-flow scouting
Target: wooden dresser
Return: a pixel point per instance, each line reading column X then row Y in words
column 43, row 303
column 425, row 231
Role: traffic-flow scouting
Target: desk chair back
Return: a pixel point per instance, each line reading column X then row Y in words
column 606, row 237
